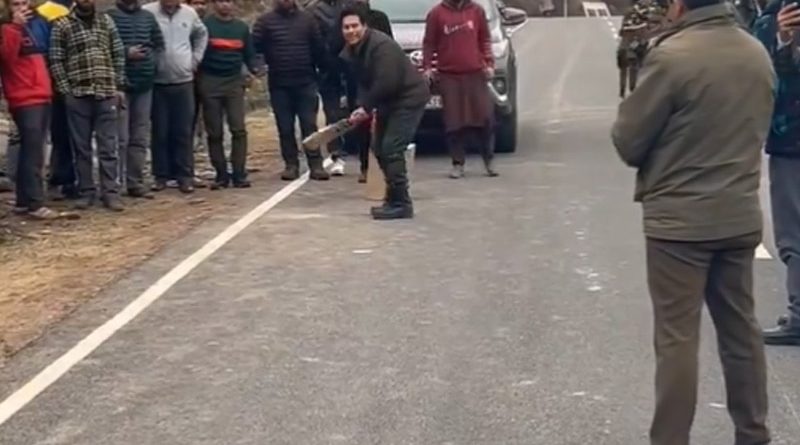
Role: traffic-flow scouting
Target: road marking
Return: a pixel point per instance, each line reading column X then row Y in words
column 762, row 253
column 63, row 364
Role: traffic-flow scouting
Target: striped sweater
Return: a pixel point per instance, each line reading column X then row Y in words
column 138, row 27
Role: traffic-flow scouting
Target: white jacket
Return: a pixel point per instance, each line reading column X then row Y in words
column 185, row 41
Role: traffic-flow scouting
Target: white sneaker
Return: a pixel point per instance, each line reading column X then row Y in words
column 337, row 169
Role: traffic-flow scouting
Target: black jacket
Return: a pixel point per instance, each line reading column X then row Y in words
column 292, row 47
column 386, row 78
column 380, row 21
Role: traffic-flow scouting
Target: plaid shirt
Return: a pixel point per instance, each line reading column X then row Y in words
column 87, row 57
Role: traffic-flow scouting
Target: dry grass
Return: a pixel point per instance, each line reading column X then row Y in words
column 48, row 270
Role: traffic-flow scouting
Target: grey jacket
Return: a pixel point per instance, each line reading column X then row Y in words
column 695, row 131
column 185, row 38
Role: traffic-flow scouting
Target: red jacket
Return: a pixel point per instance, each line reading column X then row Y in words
column 457, row 38
column 23, row 68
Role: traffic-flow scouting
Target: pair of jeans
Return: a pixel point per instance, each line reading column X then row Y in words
column 62, row 159
column 223, row 98
column 32, row 124
column 172, row 142
column 784, row 175
column 92, row 116
column 132, row 131
column 290, row 104
column 395, row 131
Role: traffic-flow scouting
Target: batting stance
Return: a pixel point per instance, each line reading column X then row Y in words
column 389, row 85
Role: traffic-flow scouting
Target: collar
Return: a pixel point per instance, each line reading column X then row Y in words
column 721, row 11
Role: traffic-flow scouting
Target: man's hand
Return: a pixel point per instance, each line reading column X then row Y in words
column 489, row 72
column 358, row 116
column 120, row 100
column 137, row 52
column 788, row 22
column 21, row 17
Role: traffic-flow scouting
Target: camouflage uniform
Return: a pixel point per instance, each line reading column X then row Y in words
column 639, row 24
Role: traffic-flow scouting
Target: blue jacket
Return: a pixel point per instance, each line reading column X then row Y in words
column 784, row 135
column 38, row 29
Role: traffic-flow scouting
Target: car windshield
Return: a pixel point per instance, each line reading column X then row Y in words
column 413, row 11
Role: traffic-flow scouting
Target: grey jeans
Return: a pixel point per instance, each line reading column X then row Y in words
column 784, row 176
column 87, row 117
column 132, row 130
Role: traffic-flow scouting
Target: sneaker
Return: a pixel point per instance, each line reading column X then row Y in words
column 337, row 169
column 159, row 185
column 186, row 187
column 457, row 172
column 85, row 202
column 198, row 183
column 172, row 184
column 113, row 202
column 43, row 214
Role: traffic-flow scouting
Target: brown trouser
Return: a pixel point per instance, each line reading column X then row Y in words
column 681, row 275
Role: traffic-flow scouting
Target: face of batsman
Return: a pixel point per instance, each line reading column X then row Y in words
column 353, row 29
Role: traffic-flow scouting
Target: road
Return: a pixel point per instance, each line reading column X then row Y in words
column 511, row 311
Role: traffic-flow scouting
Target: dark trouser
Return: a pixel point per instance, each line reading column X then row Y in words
column 458, row 140
column 332, row 107
column 288, row 104
column 62, row 164
column 12, row 152
column 785, row 195
column 681, row 275
column 92, row 116
column 32, row 123
column 224, row 98
column 395, row 131
column 358, row 140
column 172, row 142
column 134, row 118
column 197, row 112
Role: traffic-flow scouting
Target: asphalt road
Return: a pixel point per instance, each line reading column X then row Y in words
column 510, row 311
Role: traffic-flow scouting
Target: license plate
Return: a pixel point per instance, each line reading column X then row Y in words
column 434, row 103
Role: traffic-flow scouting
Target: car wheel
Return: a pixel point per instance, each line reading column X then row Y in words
column 506, row 133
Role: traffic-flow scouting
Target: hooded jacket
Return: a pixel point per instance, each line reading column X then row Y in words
column 23, row 68
column 458, row 34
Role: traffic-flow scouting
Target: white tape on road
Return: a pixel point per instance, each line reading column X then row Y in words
column 19, row 399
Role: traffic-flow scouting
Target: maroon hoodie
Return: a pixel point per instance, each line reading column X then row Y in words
column 457, row 36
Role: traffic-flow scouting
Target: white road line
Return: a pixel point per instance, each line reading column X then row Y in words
column 762, row 253
column 19, row 399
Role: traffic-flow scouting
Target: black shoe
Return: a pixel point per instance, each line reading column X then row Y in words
column 290, row 173
column 85, row 202
column 782, row 335
column 393, row 211
column 186, row 187
column 362, row 178
column 159, row 186
column 141, row 193
column 242, row 184
column 398, row 206
column 113, row 202
column 220, row 184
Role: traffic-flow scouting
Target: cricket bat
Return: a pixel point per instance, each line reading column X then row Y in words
column 325, row 135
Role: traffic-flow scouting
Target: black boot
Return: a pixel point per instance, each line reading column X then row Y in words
column 399, row 206
column 387, row 197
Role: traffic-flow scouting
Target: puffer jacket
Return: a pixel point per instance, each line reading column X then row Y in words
column 784, row 135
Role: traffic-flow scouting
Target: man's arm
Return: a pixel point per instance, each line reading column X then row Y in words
column 431, row 40
column 387, row 67
column 11, row 42
column 58, row 54
column 156, row 36
column 250, row 53
column 199, row 38
column 643, row 115
column 117, row 54
column 319, row 52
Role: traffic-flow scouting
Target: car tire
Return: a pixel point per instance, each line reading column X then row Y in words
column 505, row 139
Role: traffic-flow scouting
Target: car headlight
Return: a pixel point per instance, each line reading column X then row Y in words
column 500, row 49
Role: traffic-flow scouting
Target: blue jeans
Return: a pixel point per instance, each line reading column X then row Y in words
column 785, row 196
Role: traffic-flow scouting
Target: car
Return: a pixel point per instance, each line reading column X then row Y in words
column 408, row 26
